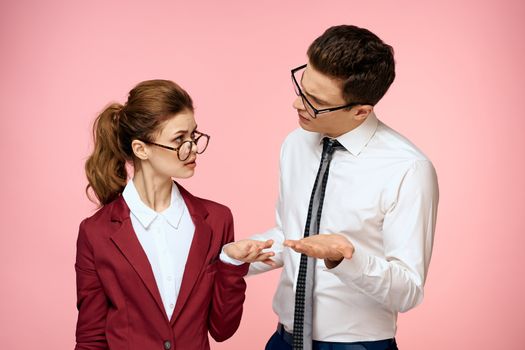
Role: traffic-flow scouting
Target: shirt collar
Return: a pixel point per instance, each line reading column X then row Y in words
column 145, row 214
column 355, row 140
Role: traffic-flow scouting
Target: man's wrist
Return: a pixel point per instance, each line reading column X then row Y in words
column 332, row 263
column 343, row 250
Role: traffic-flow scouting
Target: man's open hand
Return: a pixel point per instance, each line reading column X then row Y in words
column 330, row 247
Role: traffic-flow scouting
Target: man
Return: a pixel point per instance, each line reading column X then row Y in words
column 356, row 210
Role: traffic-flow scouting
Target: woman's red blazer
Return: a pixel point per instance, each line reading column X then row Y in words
column 119, row 304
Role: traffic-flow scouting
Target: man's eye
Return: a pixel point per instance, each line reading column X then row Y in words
column 319, row 104
column 178, row 140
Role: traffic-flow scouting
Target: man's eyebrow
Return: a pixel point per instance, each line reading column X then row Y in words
column 316, row 99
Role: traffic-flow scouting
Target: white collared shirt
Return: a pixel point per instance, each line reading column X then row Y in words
column 165, row 237
column 382, row 194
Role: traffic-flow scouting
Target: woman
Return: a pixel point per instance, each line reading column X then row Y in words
column 148, row 273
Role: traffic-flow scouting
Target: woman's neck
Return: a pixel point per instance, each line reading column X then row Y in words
column 154, row 191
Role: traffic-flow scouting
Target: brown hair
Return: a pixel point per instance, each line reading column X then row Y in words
column 356, row 56
column 149, row 105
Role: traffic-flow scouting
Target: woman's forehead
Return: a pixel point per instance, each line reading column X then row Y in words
column 183, row 121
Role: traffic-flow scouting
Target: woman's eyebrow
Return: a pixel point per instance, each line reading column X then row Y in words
column 180, row 132
column 184, row 131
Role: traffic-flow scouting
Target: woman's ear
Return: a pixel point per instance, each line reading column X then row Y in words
column 362, row 112
column 139, row 149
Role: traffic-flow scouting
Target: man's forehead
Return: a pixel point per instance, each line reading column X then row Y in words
column 321, row 86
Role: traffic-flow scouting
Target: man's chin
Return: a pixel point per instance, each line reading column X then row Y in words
column 307, row 126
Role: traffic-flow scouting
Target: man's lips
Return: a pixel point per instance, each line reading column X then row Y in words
column 303, row 117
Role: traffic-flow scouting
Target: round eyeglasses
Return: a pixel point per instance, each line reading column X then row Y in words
column 184, row 150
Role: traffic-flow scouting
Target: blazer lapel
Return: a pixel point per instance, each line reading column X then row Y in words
column 128, row 244
column 199, row 248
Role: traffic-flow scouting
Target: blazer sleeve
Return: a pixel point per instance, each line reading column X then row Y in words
column 92, row 303
column 228, row 292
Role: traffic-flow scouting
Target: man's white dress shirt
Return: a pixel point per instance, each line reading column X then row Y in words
column 382, row 194
column 165, row 237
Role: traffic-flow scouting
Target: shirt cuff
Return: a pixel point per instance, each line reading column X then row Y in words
column 352, row 268
column 226, row 259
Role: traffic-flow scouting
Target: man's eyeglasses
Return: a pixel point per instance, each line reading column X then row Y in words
column 314, row 112
column 184, row 150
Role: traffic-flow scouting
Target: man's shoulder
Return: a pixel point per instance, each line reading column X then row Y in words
column 394, row 144
column 299, row 138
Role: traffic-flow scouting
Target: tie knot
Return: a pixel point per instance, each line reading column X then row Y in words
column 330, row 145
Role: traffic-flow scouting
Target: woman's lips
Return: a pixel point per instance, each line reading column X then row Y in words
column 191, row 164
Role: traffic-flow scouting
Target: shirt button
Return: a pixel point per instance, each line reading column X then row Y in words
column 172, row 305
column 167, row 345
column 169, row 278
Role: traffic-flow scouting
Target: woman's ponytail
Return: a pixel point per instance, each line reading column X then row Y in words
column 106, row 167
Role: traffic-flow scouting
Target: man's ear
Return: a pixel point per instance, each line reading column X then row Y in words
column 362, row 112
column 139, row 149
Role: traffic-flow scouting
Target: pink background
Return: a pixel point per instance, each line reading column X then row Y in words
column 458, row 95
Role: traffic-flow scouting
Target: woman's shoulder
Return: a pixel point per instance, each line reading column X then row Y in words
column 103, row 216
column 213, row 207
column 199, row 204
column 219, row 218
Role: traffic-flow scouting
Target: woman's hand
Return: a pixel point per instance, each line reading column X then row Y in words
column 249, row 250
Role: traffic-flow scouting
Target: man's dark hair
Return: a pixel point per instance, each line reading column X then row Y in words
column 357, row 57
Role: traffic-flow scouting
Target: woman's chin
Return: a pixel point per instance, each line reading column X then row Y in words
column 185, row 174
